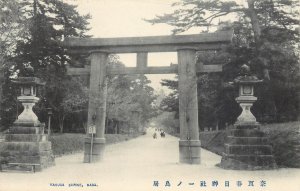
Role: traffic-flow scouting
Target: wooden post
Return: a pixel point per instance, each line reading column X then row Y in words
column 97, row 106
column 189, row 144
column 49, row 127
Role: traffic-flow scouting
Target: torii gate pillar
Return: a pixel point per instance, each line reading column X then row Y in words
column 189, row 144
column 97, row 107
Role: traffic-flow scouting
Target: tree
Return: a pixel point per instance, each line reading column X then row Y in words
column 74, row 101
column 9, row 104
column 213, row 101
column 12, row 27
column 265, row 37
column 49, row 22
column 269, row 19
column 143, row 94
column 130, row 99
column 170, row 103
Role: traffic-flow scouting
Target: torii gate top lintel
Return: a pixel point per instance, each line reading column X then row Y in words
column 205, row 41
column 143, row 45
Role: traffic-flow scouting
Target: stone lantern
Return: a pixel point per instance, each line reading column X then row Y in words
column 26, row 147
column 28, row 89
column 247, row 147
column 246, row 83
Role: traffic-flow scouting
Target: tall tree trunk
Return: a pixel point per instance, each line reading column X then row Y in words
column 84, row 125
column 270, row 103
column 254, row 20
column 34, row 7
column 61, row 123
column 1, row 76
column 116, row 127
column 298, row 87
column 298, row 94
column 257, row 33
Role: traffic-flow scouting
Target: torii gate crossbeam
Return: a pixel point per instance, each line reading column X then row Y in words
column 185, row 46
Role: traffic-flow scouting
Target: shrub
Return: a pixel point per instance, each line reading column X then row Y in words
column 285, row 139
column 213, row 141
column 68, row 143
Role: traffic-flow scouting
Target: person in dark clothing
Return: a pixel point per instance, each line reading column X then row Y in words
column 154, row 135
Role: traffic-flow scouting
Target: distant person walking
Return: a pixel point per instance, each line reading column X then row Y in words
column 155, row 136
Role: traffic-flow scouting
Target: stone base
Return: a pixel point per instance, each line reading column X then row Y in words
column 189, row 151
column 26, row 148
column 27, row 123
column 247, row 148
column 97, row 150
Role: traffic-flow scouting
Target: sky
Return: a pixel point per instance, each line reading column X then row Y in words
column 118, row 18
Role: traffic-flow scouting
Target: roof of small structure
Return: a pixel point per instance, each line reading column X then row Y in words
column 251, row 79
column 246, row 77
column 28, row 80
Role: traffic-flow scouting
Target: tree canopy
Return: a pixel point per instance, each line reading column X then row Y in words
column 265, row 37
column 130, row 99
column 37, row 30
column 44, row 24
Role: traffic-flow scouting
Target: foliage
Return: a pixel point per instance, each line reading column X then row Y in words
column 265, row 37
column 170, row 103
column 74, row 100
column 216, row 104
column 213, row 141
column 48, row 22
column 189, row 14
column 275, row 16
column 9, row 105
column 66, row 143
column 12, row 27
column 284, row 139
column 69, row 143
column 167, row 122
column 130, row 99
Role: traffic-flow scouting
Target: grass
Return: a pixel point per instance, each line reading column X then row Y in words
column 1, row 136
column 290, row 126
column 285, row 138
column 68, row 143
column 213, row 141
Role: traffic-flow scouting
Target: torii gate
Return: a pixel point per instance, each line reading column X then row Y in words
column 185, row 46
